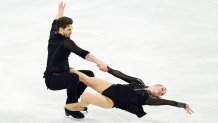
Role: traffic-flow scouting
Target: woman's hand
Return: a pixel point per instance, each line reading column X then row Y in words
column 188, row 109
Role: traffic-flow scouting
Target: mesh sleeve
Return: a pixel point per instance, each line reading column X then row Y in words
column 138, row 83
column 158, row 101
column 121, row 75
column 70, row 45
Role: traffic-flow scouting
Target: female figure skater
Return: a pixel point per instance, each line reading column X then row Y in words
column 129, row 97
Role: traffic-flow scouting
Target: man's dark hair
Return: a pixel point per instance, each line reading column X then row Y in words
column 63, row 22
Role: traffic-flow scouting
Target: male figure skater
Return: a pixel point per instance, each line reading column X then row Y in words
column 57, row 75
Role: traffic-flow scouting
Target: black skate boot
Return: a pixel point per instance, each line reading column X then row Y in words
column 74, row 114
column 85, row 110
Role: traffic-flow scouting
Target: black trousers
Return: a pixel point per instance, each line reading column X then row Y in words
column 69, row 81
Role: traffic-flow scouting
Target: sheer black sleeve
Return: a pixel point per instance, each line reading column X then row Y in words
column 121, row 75
column 53, row 30
column 158, row 101
column 70, row 45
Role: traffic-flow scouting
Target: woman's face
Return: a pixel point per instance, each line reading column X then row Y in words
column 159, row 90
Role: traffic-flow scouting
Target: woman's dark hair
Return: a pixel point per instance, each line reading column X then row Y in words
column 63, row 22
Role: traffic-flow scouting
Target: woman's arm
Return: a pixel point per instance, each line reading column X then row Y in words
column 158, row 101
column 121, row 75
column 128, row 79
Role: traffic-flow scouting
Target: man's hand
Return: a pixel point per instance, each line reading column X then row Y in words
column 72, row 70
column 102, row 66
column 61, row 10
column 188, row 109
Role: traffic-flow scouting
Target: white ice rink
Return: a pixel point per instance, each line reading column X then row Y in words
column 173, row 42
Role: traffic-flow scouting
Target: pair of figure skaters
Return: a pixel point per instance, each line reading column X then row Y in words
column 58, row 75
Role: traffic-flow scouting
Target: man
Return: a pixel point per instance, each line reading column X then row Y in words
column 57, row 75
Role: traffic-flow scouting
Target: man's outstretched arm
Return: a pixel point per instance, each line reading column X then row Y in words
column 59, row 14
column 60, row 10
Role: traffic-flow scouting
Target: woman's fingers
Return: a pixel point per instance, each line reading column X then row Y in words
column 189, row 110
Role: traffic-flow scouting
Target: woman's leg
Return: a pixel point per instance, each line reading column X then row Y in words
column 96, row 99
column 90, row 98
column 81, row 86
column 96, row 83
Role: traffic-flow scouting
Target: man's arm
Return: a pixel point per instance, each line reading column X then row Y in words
column 90, row 57
column 60, row 10
column 101, row 65
column 60, row 14
column 70, row 45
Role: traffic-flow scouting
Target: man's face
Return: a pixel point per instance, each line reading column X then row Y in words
column 67, row 31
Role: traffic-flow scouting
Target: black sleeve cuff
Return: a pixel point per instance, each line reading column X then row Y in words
column 109, row 70
column 84, row 53
column 181, row 105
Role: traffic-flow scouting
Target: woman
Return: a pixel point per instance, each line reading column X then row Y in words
column 129, row 97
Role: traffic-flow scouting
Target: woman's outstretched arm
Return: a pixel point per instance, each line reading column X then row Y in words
column 158, row 101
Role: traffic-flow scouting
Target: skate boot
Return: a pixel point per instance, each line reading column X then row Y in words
column 74, row 114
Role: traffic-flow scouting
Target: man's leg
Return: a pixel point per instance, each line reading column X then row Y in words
column 72, row 92
column 72, row 98
column 67, row 81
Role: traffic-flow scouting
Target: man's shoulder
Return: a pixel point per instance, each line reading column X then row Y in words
column 68, row 40
column 58, row 36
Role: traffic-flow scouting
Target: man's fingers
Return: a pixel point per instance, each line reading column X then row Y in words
column 103, row 69
column 62, row 4
column 64, row 1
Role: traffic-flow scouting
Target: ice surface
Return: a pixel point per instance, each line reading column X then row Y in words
column 173, row 42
